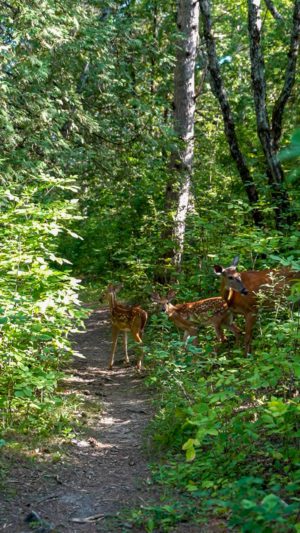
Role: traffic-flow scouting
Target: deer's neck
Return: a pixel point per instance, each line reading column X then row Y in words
column 224, row 289
column 170, row 308
column 112, row 301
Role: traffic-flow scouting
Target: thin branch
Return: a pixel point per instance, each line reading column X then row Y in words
column 273, row 10
column 202, row 80
column 290, row 74
column 119, row 142
column 83, row 78
column 219, row 91
column 274, row 169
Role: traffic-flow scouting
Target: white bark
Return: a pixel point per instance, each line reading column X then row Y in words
column 184, row 110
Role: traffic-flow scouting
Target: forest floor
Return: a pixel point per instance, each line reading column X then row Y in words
column 87, row 484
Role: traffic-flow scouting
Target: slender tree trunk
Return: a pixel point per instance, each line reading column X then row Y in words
column 229, row 126
column 273, row 10
column 259, row 90
column 269, row 138
column 178, row 189
column 290, row 74
column 154, row 37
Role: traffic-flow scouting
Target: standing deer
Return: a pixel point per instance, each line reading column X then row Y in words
column 125, row 318
column 240, row 290
column 190, row 316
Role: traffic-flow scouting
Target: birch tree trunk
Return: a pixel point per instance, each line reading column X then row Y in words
column 178, row 191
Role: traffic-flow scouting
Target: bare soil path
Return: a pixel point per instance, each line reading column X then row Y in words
column 102, row 471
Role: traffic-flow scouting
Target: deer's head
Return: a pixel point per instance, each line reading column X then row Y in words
column 231, row 277
column 164, row 302
column 111, row 290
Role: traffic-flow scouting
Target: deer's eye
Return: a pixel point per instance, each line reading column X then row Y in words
column 230, row 277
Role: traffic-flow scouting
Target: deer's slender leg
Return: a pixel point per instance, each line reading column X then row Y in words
column 219, row 332
column 218, row 322
column 186, row 336
column 235, row 330
column 137, row 337
column 140, row 359
column 115, row 334
column 191, row 332
column 250, row 322
column 228, row 322
column 125, row 348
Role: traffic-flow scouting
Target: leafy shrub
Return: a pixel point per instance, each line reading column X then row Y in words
column 39, row 304
column 229, row 425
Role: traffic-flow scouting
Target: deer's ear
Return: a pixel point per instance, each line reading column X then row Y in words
column 155, row 297
column 171, row 294
column 235, row 261
column 218, row 270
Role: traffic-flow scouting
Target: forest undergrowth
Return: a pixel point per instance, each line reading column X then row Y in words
column 226, row 430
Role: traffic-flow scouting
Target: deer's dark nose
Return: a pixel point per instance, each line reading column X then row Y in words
column 244, row 291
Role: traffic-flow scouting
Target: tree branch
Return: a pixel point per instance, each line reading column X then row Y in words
column 202, row 80
column 290, row 74
column 229, row 126
column 273, row 10
column 274, row 169
column 83, row 78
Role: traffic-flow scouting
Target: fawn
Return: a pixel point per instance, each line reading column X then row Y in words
column 190, row 316
column 125, row 318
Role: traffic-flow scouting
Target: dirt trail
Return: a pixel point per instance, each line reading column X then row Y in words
column 101, row 473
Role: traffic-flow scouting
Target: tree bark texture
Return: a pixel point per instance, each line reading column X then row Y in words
column 181, row 163
column 229, row 126
column 290, row 74
column 273, row 10
column 274, row 169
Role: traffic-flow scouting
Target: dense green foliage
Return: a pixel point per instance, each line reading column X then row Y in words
column 124, row 188
column 37, row 300
column 86, row 131
column 227, row 428
column 39, row 303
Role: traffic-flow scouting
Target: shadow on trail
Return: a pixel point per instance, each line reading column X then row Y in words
column 104, row 468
